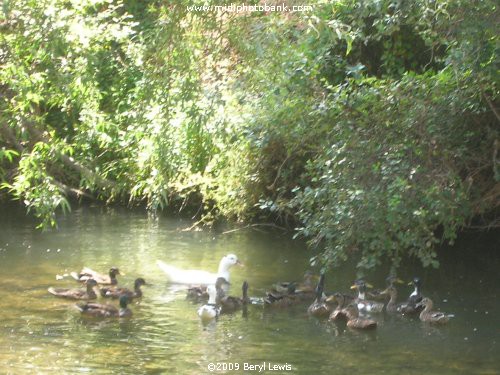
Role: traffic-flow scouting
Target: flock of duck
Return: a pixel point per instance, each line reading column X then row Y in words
column 203, row 285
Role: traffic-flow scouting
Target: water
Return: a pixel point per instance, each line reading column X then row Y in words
column 43, row 334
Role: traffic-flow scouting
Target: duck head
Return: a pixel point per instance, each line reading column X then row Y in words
column 360, row 285
column 91, row 283
column 139, row 282
column 113, row 271
column 391, row 280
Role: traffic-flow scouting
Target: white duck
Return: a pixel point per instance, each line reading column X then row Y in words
column 178, row 276
column 210, row 310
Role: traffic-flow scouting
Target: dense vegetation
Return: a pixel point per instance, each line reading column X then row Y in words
column 371, row 127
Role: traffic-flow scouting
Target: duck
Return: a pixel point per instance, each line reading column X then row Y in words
column 429, row 316
column 282, row 299
column 210, row 310
column 229, row 304
column 116, row 293
column 410, row 306
column 106, row 311
column 189, row 277
column 87, row 294
column 354, row 321
column 307, row 285
column 320, row 308
column 342, row 300
column 87, row 273
column 392, row 306
column 363, row 304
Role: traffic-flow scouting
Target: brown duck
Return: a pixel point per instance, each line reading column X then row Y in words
column 116, row 293
column 104, row 310
column 87, row 273
column 320, row 308
column 229, row 304
column 429, row 316
column 89, row 293
column 354, row 321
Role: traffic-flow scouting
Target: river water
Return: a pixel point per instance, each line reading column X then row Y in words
column 42, row 334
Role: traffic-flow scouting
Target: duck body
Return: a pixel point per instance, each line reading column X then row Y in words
column 410, row 306
column 77, row 294
column 354, row 321
column 201, row 277
column 429, row 316
column 116, row 293
column 87, row 273
column 320, row 308
column 211, row 310
column 106, row 311
column 391, row 306
column 342, row 300
column 364, row 305
column 229, row 304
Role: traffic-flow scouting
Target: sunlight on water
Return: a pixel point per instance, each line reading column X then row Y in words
column 43, row 334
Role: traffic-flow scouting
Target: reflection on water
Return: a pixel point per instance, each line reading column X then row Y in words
column 40, row 333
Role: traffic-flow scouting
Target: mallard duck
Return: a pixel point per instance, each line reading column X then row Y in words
column 365, row 305
column 410, row 306
column 342, row 300
column 354, row 321
column 211, row 310
column 229, row 304
column 89, row 293
column 379, row 295
column 392, row 292
column 87, row 273
column 429, row 316
column 320, row 308
column 105, row 310
column 115, row 293
column 189, row 277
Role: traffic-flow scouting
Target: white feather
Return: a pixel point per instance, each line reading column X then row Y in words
column 180, row 276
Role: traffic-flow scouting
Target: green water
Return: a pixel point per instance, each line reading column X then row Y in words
column 42, row 334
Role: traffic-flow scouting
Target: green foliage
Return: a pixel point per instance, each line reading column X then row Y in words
column 370, row 126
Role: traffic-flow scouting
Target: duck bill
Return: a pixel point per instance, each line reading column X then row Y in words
column 238, row 263
column 330, row 299
column 354, row 286
column 369, row 285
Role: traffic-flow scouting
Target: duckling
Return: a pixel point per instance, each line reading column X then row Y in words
column 211, row 310
column 410, row 306
column 429, row 316
column 89, row 293
column 343, row 300
column 229, row 304
column 320, row 308
column 115, row 293
column 106, row 311
column 197, row 293
column 354, row 321
column 86, row 273
column 365, row 305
